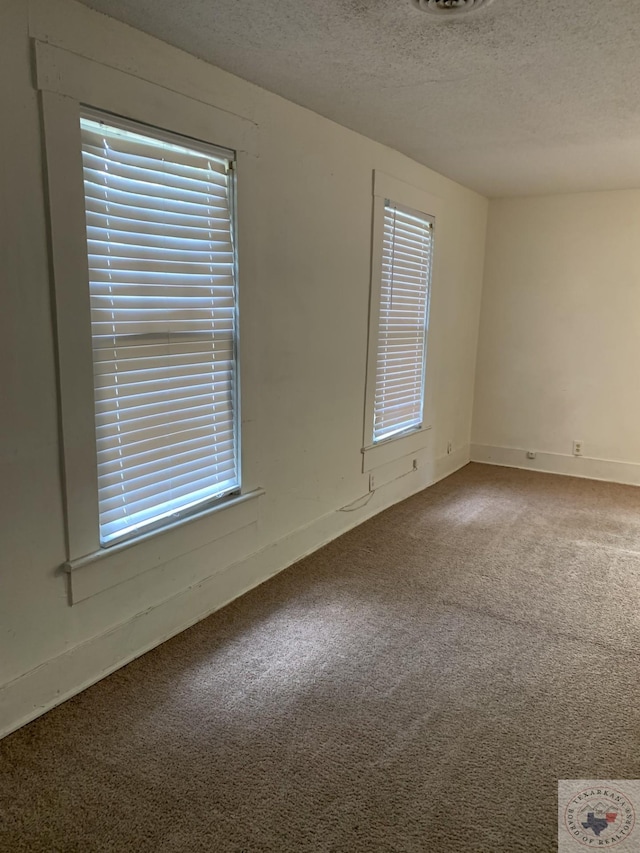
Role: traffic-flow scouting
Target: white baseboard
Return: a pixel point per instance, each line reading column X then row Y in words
column 71, row 672
column 609, row 470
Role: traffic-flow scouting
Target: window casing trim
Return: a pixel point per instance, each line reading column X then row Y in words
column 385, row 188
column 108, row 567
column 66, row 81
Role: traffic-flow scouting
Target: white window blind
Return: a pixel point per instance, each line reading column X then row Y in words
column 162, row 277
column 403, row 320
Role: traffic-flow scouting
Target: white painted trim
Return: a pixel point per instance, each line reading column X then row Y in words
column 109, row 567
column 610, row 470
column 67, row 674
column 395, row 448
column 445, row 466
column 387, row 187
column 67, row 228
column 66, row 80
column 93, row 84
column 377, row 245
column 91, row 34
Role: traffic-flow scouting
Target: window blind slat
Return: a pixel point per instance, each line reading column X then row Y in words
column 133, row 147
column 145, row 481
column 98, row 224
column 146, row 381
column 400, row 265
column 202, row 208
column 108, row 182
column 152, row 171
column 408, row 283
column 137, row 500
column 161, row 259
column 113, row 328
column 166, row 277
column 399, row 290
column 402, row 325
column 157, row 261
column 154, row 449
column 138, row 436
column 114, row 153
column 414, row 242
column 157, row 368
column 137, row 514
column 157, row 300
column 108, row 399
column 145, row 412
column 221, row 293
column 109, row 208
column 115, row 231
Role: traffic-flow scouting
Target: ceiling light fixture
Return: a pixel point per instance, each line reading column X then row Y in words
column 448, row 9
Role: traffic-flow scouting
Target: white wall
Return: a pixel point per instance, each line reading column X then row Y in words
column 559, row 345
column 305, row 284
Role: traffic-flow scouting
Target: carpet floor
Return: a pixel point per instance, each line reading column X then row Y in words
column 417, row 686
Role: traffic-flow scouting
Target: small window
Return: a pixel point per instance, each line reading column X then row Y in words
column 403, row 321
column 162, row 279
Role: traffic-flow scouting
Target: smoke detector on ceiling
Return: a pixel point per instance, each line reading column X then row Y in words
column 450, row 9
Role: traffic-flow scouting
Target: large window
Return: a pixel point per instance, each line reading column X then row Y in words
column 402, row 322
column 162, row 278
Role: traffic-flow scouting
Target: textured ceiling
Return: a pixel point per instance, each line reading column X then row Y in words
column 527, row 96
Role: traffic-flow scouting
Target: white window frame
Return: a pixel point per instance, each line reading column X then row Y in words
column 68, row 82
column 387, row 188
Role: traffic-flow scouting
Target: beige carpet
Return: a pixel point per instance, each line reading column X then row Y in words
column 417, row 686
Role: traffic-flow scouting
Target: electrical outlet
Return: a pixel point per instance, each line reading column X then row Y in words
column 449, row 447
column 531, row 454
column 577, row 448
column 372, row 482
